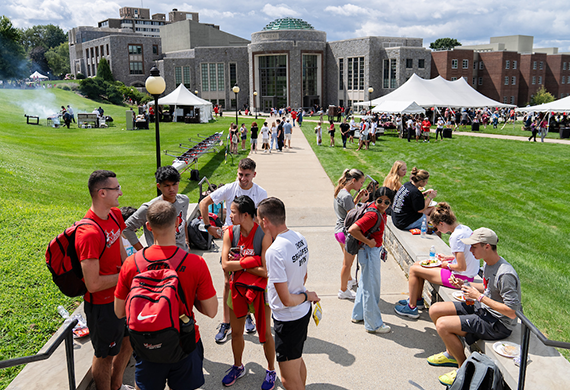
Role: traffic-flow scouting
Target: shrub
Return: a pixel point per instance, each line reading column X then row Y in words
column 65, row 87
column 80, row 76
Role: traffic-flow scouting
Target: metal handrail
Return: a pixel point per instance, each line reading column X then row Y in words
column 66, row 335
column 528, row 327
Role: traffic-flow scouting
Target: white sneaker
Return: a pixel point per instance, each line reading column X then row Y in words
column 351, row 283
column 348, row 294
column 383, row 329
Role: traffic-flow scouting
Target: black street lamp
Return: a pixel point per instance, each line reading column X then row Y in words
column 236, row 91
column 155, row 85
column 370, row 90
column 255, row 103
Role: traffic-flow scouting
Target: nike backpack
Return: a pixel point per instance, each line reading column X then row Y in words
column 159, row 322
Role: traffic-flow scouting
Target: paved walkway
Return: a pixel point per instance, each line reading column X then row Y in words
column 339, row 354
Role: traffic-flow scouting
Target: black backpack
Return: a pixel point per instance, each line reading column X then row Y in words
column 478, row 372
column 352, row 245
column 199, row 239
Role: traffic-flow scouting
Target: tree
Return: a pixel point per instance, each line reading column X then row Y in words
column 58, row 59
column 38, row 58
column 46, row 36
column 104, row 70
column 12, row 57
column 541, row 96
column 444, row 44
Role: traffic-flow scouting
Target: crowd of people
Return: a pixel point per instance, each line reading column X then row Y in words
column 487, row 310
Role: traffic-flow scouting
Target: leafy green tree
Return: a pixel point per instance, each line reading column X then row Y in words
column 444, row 44
column 12, row 57
column 104, row 70
column 46, row 36
column 58, row 59
column 541, row 96
column 93, row 88
column 113, row 94
column 38, row 58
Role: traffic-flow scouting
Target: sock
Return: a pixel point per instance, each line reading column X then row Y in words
column 447, row 355
column 410, row 306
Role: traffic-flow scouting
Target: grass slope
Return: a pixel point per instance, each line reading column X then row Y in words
column 517, row 189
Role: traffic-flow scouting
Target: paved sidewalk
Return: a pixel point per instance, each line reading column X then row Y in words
column 338, row 354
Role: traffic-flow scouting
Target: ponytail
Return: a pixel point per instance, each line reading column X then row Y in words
column 347, row 176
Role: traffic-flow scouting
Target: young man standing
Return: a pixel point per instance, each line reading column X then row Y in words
column 288, row 131
column 489, row 312
column 344, row 132
column 287, row 259
column 244, row 185
column 426, row 125
column 100, row 250
column 167, row 181
column 199, row 292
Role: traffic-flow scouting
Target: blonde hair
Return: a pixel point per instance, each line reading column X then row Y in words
column 393, row 180
column 347, row 176
column 442, row 213
column 419, row 175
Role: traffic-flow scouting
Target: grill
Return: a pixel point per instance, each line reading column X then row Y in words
column 32, row 119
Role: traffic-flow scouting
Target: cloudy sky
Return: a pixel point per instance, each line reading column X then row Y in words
column 469, row 21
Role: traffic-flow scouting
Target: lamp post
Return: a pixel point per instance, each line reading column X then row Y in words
column 370, row 90
column 196, row 92
column 255, row 103
column 236, row 91
column 155, row 85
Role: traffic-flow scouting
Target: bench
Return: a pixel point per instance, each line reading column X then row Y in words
column 547, row 370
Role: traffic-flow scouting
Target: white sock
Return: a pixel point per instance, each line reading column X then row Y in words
column 447, row 355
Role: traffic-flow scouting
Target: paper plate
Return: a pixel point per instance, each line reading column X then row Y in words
column 507, row 349
column 432, row 265
column 458, row 295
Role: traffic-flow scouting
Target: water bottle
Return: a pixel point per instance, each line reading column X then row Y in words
column 65, row 314
column 432, row 253
column 424, row 229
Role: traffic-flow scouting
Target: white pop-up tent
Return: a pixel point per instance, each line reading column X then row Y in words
column 437, row 92
column 560, row 105
column 399, row 107
column 183, row 97
column 37, row 75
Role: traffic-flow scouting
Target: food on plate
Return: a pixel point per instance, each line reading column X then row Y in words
column 429, row 262
column 510, row 350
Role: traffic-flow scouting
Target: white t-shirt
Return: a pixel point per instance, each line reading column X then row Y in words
column 287, row 261
column 352, row 125
column 265, row 132
column 231, row 191
column 462, row 231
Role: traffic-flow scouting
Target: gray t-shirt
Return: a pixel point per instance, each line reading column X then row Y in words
column 343, row 203
column 287, row 128
column 502, row 285
column 138, row 219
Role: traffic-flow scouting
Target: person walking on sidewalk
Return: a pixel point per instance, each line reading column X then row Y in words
column 287, row 259
column 331, row 132
column 368, row 294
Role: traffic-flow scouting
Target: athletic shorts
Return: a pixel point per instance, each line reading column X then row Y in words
column 331, row 133
column 446, row 274
column 479, row 323
column 351, row 133
column 287, row 137
column 290, row 337
column 340, row 237
column 105, row 329
column 186, row 374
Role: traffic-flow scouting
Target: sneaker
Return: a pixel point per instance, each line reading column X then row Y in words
column 269, row 381
column 406, row 311
column 420, row 304
column 351, row 284
column 383, row 329
column 224, row 332
column 249, row 324
column 448, row 379
column 348, row 294
column 233, row 374
column 355, row 321
column 439, row 359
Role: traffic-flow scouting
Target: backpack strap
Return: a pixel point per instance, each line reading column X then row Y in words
column 257, row 238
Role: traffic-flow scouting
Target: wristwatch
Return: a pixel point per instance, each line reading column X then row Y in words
column 207, row 226
column 306, row 297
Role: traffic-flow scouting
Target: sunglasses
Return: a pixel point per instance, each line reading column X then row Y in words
column 117, row 188
column 387, row 202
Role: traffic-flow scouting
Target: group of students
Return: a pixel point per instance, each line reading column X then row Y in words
column 488, row 309
column 277, row 137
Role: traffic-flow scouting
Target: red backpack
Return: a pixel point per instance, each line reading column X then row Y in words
column 156, row 310
column 63, row 262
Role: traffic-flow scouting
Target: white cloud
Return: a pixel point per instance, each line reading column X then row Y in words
column 279, row 11
column 346, row 10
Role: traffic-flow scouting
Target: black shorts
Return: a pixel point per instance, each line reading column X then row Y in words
column 479, row 323
column 351, row 133
column 186, row 374
column 290, row 337
column 331, row 133
column 105, row 329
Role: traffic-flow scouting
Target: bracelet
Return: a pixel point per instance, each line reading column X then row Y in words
column 306, row 297
column 481, row 297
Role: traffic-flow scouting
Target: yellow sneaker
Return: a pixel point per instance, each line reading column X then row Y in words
column 448, row 379
column 439, row 359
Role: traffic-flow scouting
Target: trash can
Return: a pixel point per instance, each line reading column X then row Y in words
column 475, row 127
column 565, row 132
column 447, row 133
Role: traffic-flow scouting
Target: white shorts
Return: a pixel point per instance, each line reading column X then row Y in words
column 287, row 137
column 265, row 140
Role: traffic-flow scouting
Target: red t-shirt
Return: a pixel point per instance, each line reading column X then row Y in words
column 89, row 245
column 368, row 221
column 194, row 276
column 245, row 243
column 426, row 125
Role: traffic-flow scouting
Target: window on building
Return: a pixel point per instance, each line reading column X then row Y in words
column 481, row 65
column 136, row 68
column 514, row 64
column 107, row 49
column 310, row 73
column 213, row 81
column 474, row 65
column 222, row 103
column 514, row 80
column 204, row 71
column 465, row 64
column 361, row 74
column 506, row 80
column 534, row 65
column 506, row 99
column 564, row 66
column 454, row 64
column 87, row 53
column 480, row 80
column 453, row 78
column 96, row 51
column 273, row 78
column 541, row 65
column 393, row 73
column 507, row 64
column 474, row 80
column 349, row 86
column 355, row 73
column 512, row 100
column 221, row 78
column 341, row 103
column 232, row 103
column 233, row 74
column 177, row 75
column 341, row 73
column 533, row 80
column 539, row 80
column 409, row 63
column 421, row 63
column 563, row 80
column 186, row 76
column 136, row 59
column 386, row 75
column 155, row 50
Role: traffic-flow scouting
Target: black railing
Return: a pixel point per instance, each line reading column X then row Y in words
column 528, row 327
column 66, row 335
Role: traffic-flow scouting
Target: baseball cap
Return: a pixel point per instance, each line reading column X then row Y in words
column 483, row 236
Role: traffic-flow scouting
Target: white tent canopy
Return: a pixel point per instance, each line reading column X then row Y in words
column 437, row 92
column 399, row 107
column 183, row 97
column 560, row 105
column 37, row 75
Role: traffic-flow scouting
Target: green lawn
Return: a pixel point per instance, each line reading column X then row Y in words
column 515, row 188
column 44, row 174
